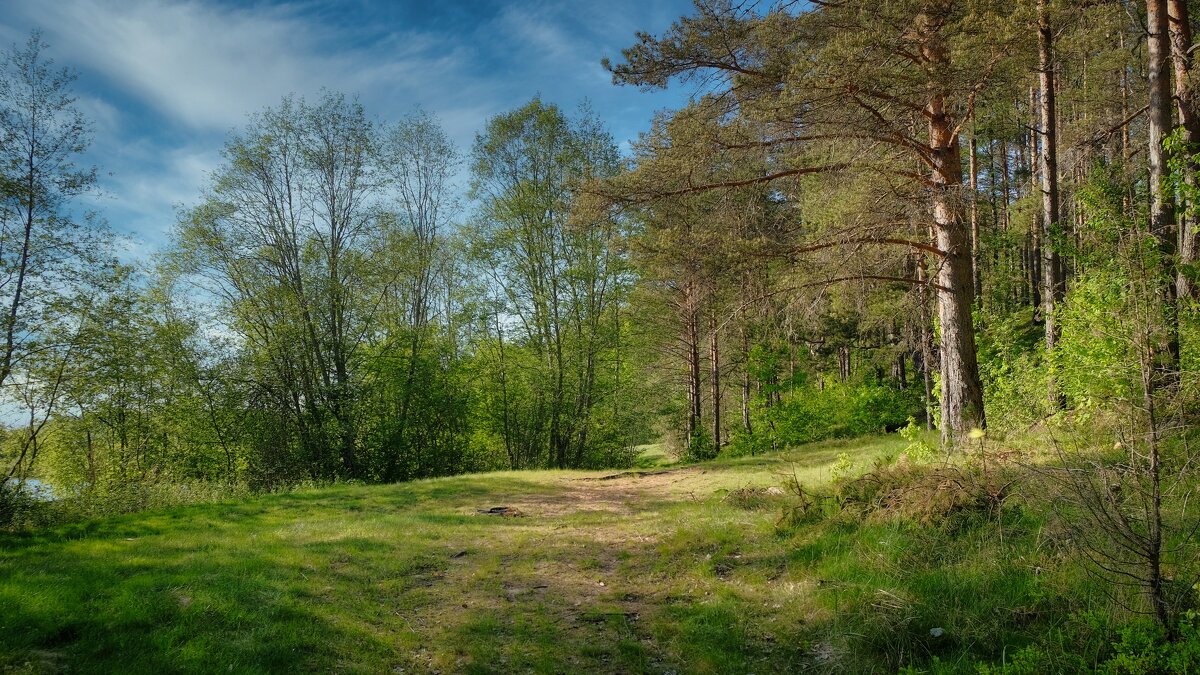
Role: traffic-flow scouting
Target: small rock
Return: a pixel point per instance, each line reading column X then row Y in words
column 936, row 632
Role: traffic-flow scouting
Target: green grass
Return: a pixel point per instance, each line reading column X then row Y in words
column 645, row 571
column 653, row 455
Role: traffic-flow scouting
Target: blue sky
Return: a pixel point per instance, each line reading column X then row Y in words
column 164, row 81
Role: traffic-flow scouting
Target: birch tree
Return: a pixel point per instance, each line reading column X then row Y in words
column 49, row 259
column 558, row 278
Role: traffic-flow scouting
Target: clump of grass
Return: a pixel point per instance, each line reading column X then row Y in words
column 755, row 497
column 928, row 495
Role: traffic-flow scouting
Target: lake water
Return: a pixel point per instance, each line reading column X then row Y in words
column 37, row 489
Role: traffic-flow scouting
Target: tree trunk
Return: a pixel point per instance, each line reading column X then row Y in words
column 1162, row 224
column 1051, row 280
column 976, row 273
column 1036, row 241
column 1052, row 283
column 746, row 382
column 923, row 356
column 1126, row 146
column 1189, row 122
column 1162, row 211
column 843, row 359
column 693, row 358
column 962, row 390
column 715, row 379
column 513, row 460
column 1005, row 186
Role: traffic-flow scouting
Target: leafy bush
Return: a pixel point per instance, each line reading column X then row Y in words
column 843, row 467
column 1013, row 369
column 109, row 498
column 837, row 410
column 1140, row 647
column 919, row 449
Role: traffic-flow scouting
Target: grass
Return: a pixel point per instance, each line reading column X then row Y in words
column 653, row 570
column 651, row 456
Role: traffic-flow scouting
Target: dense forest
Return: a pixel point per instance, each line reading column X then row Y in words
column 980, row 217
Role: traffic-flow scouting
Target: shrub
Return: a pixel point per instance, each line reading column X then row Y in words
column 1140, row 647
column 701, row 446
column 837, row 410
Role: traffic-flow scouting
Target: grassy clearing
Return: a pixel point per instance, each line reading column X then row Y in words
column 665, row 568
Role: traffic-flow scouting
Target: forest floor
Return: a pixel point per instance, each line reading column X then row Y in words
column 655, row 569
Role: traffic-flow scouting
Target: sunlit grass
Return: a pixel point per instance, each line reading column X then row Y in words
column 645, row 571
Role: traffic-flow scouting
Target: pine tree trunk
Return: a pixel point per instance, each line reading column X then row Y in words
column 976, row 272
column 1051, row 277
column 1125, row 144
column 1036, row 240
column 962, row 390
column 715, row 379
column 1005, row 185
column 1162, row 208
column 746, row 382
column 693, row 364
column 926, row 351
column 1189, row 122
column 1052, row 282
column 1162, row 224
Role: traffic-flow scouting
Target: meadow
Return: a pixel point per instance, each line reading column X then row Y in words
column 664, row 568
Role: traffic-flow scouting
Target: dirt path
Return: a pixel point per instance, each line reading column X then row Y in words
column 622, row 493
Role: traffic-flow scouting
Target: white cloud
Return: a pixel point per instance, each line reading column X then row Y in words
column 206, row 66
column 535, row 30
column 203, row 66
column 104, row 116
column 180, row 174
column 147, row 184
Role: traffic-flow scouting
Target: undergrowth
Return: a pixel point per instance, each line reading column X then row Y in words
column 936, row 566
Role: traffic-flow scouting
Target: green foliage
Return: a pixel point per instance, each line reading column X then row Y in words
column 1097, row 357
column 843, row 468
column 1140, row 647
column 417, row 412
column 836, row 410
column 918, row 449
column 1181, row 160
column 1013, row 367
column 1145, row 648
column 700, row 446
column 555, row 350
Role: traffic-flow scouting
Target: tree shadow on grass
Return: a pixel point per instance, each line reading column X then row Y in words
column 875, row 598
column 446, row 494
column 297, row 582
column 820, row 454
column 152, row 608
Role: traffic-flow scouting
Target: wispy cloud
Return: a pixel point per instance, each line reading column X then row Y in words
column 164, row 80
column 145, row 183
column 203, row 65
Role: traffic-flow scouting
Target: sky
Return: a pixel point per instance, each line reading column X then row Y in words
column 165, row 81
